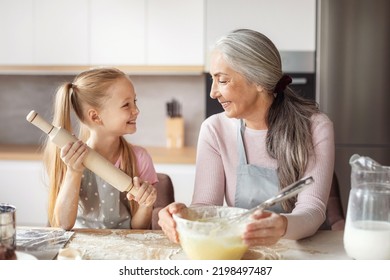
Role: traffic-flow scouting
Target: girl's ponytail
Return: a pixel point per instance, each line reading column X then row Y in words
column 55, row 167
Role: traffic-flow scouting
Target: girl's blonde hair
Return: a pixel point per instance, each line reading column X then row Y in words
column 89, row 88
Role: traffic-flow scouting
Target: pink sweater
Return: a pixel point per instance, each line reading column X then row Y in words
column 217, row 160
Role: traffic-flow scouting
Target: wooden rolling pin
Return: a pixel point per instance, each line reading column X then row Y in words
column 93, row 161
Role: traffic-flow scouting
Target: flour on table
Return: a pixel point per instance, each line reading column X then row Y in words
column 261, row 253
column 146, row 236
column 114, row 246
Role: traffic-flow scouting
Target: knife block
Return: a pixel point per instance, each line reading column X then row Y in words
column 175, row 132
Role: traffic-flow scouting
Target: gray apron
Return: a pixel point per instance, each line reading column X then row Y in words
column 255, row 184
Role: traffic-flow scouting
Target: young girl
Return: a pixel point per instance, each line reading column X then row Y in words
column 104, row 101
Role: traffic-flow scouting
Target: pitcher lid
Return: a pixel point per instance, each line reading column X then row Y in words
column 364, row 163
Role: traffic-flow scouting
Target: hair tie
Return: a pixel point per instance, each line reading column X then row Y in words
column 72, row 93
column 284, row 81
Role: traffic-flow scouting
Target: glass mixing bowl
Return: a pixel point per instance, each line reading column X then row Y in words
column 210, row 240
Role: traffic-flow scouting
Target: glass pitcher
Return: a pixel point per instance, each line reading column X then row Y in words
column 367, row 228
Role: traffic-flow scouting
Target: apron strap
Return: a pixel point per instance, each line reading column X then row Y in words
column 240, row 141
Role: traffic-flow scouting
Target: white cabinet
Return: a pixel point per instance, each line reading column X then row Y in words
column 100, row 32
column 117, row 35
column 143, row 32
column 175, row 32
column 16, row 32
column 61, row 32
column 291, row 25
column 147, row 32
column 22, row 185
column 183, row 179
column 44, row 32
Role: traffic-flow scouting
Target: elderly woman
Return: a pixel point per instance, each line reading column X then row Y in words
column 267, row 138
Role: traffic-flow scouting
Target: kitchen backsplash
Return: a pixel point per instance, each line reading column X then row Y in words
column 19, row 94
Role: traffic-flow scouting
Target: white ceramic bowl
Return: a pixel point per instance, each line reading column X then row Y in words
column 214, row 240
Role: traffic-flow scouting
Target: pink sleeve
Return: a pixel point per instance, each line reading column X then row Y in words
column 209, row 176
column 310, row 210
column 145, row 165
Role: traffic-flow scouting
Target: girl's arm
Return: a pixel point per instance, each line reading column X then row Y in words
column 142, row 218
column 65, row 210
column 66, row 205
column 145, row 197
column 147, row 181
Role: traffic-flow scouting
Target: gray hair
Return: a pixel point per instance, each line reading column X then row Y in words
column 289, row 138
column 253, row 55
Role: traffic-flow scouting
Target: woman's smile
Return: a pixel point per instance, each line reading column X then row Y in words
column 225, row 104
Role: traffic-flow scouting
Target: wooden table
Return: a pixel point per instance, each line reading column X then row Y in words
column 104, row 244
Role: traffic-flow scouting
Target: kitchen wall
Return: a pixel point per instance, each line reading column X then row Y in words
column 19, row 94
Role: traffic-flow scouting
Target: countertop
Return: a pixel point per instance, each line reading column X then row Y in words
column 160, row 155
column 105, row 244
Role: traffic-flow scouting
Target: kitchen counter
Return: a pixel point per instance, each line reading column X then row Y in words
column 20, row 152
column 160, row 155
column 105, row 244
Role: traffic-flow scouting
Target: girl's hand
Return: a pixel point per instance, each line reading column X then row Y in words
column 73, row 155
column 266, row 230
column 166, row 222
column 146, row 195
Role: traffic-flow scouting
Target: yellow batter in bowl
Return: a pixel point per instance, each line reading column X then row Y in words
column 210, row 240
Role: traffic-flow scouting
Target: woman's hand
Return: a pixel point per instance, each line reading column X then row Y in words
column 266, row 229
column 146, row 194
column 73, row 155
column 166, row 222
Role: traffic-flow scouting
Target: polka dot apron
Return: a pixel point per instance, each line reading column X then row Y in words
column 101, row 205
